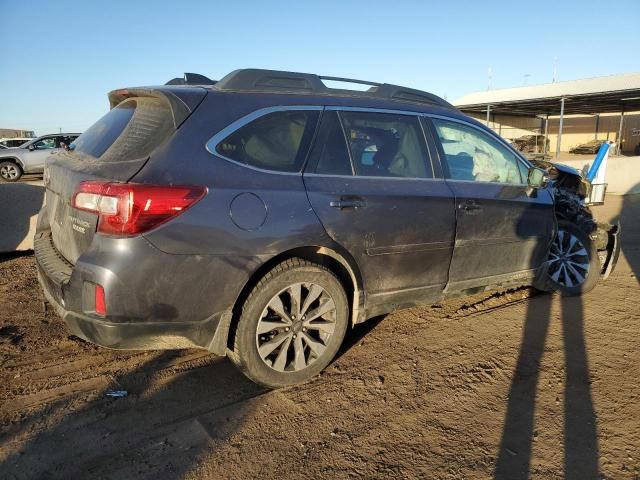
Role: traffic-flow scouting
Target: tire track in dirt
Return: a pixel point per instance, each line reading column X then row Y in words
column 88, row 385
column 60, row 381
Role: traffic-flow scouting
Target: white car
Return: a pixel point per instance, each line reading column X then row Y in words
column 30, row 157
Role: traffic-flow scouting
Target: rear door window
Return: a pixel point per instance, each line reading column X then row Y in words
column 277, row 141
column 64, row 141
column 386, row 145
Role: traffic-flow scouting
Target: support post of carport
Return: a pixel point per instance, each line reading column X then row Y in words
column 619, row 139
column 546, row 133
column 488, row 113
column 560, row 128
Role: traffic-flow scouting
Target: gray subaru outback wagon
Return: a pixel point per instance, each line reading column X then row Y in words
column 262, row 215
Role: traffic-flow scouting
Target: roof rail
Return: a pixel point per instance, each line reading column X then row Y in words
column 258, row 80
column 191, row 79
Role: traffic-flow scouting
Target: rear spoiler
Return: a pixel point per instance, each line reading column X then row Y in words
column 182, row 101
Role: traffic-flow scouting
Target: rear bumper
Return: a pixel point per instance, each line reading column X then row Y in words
column 209, row 334
column 62, row 292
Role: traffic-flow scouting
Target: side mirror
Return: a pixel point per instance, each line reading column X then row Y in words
column 537, row 177
column 31, row 147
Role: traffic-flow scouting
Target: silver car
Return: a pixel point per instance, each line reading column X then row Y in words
column 30, row 157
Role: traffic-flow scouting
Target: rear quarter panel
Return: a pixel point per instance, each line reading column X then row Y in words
column 246, row 212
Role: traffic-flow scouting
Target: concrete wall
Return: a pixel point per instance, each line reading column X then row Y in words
column 623, row 173
column 20, row 204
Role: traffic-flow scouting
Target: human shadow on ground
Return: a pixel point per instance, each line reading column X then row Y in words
column 580, row 445
column 580, row 432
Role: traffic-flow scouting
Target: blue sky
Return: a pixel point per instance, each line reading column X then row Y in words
column 64, row 56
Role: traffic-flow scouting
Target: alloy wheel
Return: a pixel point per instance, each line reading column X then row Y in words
column 568, row 263
column 295, row 327
column 9, row 171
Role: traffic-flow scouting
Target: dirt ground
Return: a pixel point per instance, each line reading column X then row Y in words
column 511, row 386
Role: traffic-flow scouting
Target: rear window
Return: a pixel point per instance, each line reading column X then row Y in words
column 103, row 133
column 129, row 131
column 276, row 141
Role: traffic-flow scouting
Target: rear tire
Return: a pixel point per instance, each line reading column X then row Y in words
column 10, row 171
column 573, row 266
column 291, row 325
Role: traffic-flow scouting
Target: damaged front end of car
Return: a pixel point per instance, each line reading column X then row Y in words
column 570, row 190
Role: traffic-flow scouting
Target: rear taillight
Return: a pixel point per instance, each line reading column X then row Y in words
column 133, row 208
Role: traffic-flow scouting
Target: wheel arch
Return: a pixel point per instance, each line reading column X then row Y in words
column 15, row 160
column 341, row 264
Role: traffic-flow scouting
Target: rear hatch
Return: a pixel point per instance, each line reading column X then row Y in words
column 114, row 149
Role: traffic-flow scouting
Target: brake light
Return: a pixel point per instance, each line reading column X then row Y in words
column 132, row 208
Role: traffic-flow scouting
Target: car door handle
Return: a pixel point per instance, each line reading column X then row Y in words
column 343, row 203
column 470, row 206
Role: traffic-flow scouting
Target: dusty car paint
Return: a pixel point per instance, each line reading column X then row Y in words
column 413, row 241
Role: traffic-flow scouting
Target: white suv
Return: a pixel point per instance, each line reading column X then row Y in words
column 30, row 157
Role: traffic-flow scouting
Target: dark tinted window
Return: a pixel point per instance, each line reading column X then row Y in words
column 329, row 153
column 14, row 143
column 276, row 141
column 131, row 130
column 473, row 155
column 101, row 135
column 65, row 139
column 386, row 145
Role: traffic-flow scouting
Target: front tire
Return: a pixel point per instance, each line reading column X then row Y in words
column 10, row 171
column 573, row 266
column 291, row 325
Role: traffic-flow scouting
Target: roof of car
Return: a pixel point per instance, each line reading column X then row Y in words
column 63, row 134
column 254, row 80
column 48, row 135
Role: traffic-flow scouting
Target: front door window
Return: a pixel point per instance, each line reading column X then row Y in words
column 45, row 144
column 474, row 156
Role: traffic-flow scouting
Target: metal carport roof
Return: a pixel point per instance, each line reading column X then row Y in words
column 614, row 93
